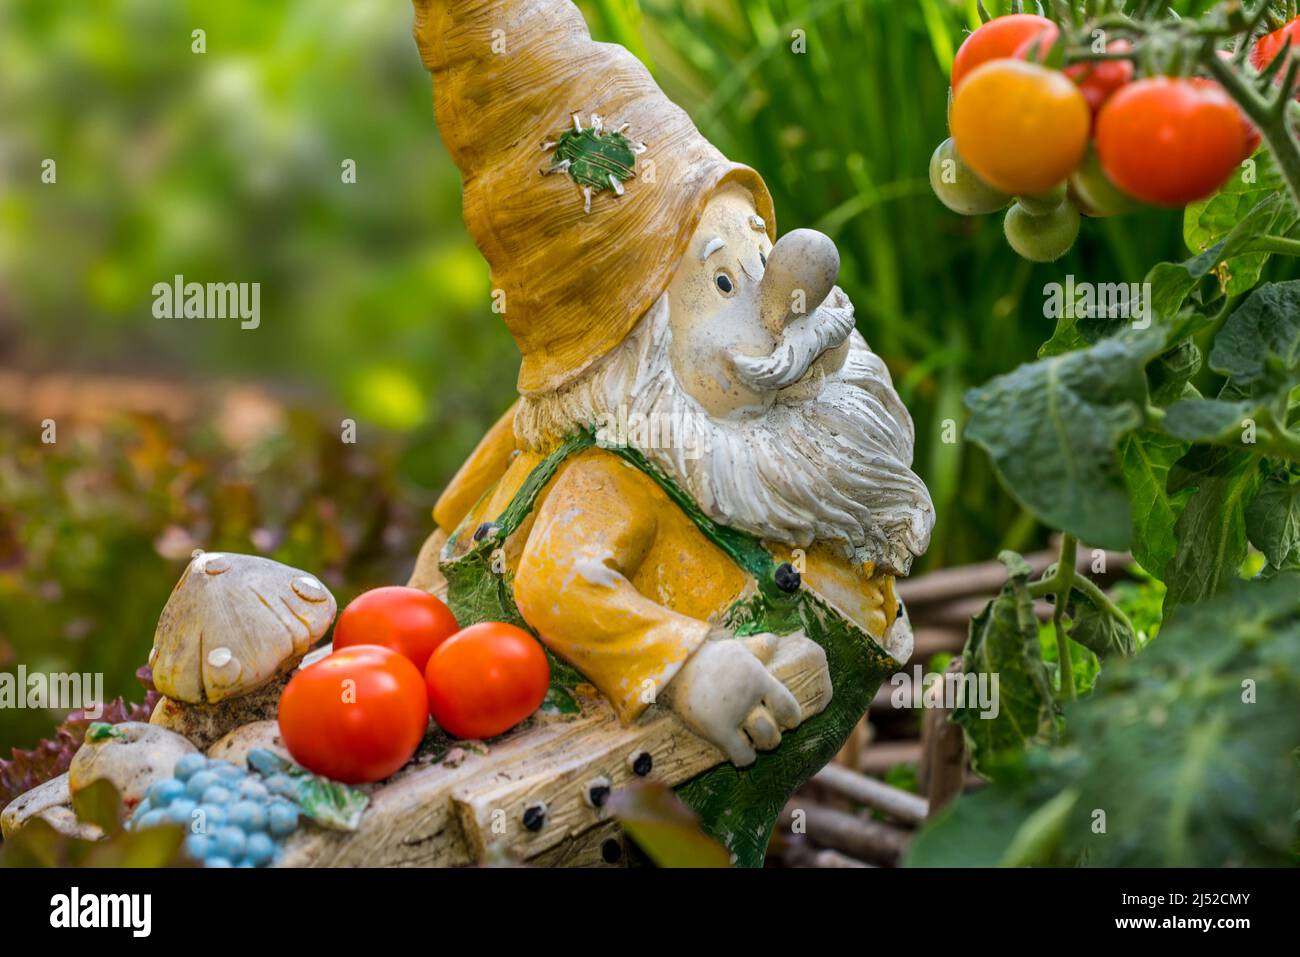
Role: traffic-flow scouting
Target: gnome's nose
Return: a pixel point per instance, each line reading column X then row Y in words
column 801, row 271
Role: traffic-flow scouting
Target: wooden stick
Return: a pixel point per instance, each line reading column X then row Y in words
column 958, row 613
column 897, row 803
column 865, row 839
column 802, row 854
column 944, row 748
column 883, row 755
column 927, row 642
column 987, row 577
column 949, row 583
column 850, row 756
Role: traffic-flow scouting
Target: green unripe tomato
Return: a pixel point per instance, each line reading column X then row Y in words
column 1094, row 193
column 1043, row 204
column 1042, row 239
column 958, row 187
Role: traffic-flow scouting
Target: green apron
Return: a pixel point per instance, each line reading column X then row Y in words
column 738, row 806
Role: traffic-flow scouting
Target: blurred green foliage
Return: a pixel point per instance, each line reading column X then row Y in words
column 97, row 528
column 228, row 165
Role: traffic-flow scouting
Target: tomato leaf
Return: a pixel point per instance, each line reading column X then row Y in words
column 1197, row 732
column 1273, row 521
column 1258, row 348
column 1003, row 642
column 1146, row 458
column 981, row 828
column 1098, row 630
column 1053, row 429
column 1211, row 532
column 1205, row 420
column 1207, row 222
column 1172, row 283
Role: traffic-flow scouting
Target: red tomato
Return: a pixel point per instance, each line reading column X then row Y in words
column 1098, row 81
column 995, row 40
column 355, row 716
column 1267, row 47
column 1254, row 138
column 486, row 679
column 1170, row 141
column 409, row 621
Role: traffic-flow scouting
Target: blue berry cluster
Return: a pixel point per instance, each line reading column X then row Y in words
column 235, row 816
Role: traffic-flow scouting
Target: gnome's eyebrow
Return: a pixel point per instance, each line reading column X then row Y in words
column 711, row 247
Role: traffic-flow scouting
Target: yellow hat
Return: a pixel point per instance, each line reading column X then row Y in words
column 511, row 79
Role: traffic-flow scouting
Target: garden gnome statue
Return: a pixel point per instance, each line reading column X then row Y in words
column 704, row 492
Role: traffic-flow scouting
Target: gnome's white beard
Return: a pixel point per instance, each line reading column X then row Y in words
column 832, row 469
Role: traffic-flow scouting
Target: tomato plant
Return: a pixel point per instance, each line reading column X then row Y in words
column 409, row 621
column 1165, row 424
column 486, row 679
column 356, row 715
column 1171, row 105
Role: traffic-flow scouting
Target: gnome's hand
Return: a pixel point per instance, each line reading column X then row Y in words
column 797, row 662
column 726, row 694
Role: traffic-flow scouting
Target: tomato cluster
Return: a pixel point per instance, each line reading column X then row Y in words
column 1091, row 139
column 360, row 713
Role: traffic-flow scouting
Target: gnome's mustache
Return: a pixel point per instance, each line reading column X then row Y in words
column 802, row 342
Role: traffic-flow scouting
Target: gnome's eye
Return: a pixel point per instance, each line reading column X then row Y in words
column 763, row 260
column 724, row 282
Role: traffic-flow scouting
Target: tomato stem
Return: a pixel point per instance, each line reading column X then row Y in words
column 1278, row 245
column 1102, row 601
column 1061, row 585
column 1269, row 117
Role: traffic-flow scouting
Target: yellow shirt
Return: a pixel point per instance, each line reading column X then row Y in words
column 617, row 580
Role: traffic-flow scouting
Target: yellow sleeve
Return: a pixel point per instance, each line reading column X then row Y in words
column 572, row 584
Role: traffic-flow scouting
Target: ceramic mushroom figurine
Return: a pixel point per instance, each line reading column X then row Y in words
column 232, row 631
column 704, row 447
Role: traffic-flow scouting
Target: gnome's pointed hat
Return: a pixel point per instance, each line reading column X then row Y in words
column 512, row 75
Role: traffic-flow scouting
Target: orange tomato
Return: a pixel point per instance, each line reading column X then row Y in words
column 1021, row 127
column 486, row 679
